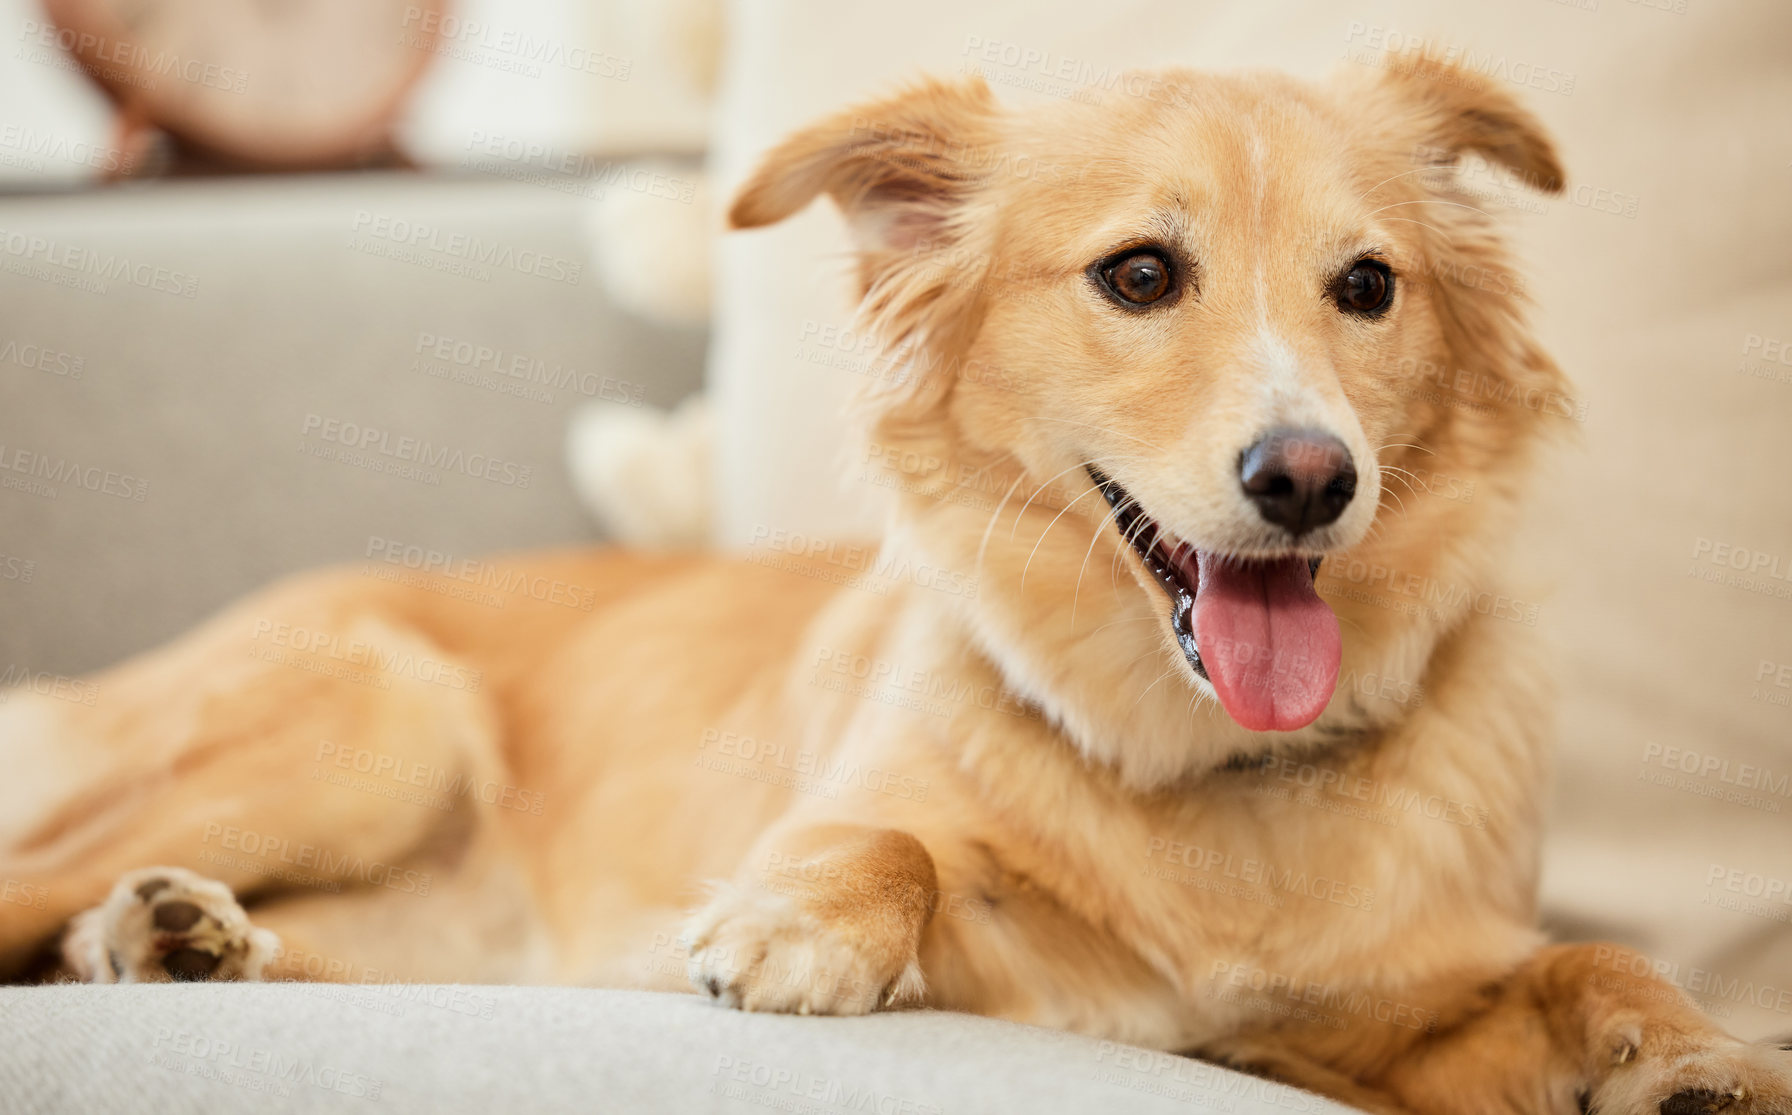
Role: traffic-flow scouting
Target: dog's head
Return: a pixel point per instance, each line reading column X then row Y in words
column 1216, row 334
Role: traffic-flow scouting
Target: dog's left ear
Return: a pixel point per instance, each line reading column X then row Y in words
column 1456, row 109
column 900, row 169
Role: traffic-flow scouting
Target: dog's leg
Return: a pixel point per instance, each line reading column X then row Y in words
column 833, row 928
column 217, row 756
column 1575, row 1029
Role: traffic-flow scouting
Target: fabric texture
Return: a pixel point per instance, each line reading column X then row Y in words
column 178, row 1048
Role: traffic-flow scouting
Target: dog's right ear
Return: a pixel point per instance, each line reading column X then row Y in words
column 909, row 174
column 902, row 170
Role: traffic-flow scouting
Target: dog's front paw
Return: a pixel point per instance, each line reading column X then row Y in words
column 1697, row 1076
column 163, row 924
column 760, row 950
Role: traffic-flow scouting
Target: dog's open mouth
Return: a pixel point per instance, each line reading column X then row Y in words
column 1255, row 629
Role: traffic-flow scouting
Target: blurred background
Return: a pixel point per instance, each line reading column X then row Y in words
column 262, row 263
column 226, row 220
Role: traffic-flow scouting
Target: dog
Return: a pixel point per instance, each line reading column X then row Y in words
column 1178, row 705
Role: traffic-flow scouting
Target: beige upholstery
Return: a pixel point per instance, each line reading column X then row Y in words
column 430, row 1048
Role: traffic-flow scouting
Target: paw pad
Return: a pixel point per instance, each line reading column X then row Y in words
column 177, row 915
column 164, row 924
column 1701, row 1101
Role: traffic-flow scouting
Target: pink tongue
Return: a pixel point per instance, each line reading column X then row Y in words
column 1269, row 643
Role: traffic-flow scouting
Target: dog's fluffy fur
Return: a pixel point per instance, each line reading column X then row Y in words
column 1000, row 787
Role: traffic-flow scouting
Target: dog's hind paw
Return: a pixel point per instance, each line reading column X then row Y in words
column 758, row 950
column 165, row 924
column 1725, row 1075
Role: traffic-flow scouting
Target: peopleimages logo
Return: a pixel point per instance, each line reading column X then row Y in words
column 465, row 247
column 1761, row 572
column 1746, row 776
column 878, row 566
column 1702, row 982
column 111, row 53
column 505, row 579
column 427, row 455
column 519, row 374
column 895, row 141
column 471, row 40
column 892, row 683
column 1480, row 391
column 1258, row 873
column 1396, row 50
column 30, row 465
column 1384, row 801
column 273, row 638
column 569, row 171
column 15, row 679
column 93, row 269
column 1424, row 592
column 1751, row 883
column 1778, row 691
column 771, row 1086
column 1338, row 1002
column 1749, row 892
column 61, row 149
column 1760, row 563
column 1193, row 1082
column 407, row 772
column 807, row 764
column 330, row 866
column 265, row 1071
column 1767, row 358
column 17, row 568
column 38, row 358
column 16, row 893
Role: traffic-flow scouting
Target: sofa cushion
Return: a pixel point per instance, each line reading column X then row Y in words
column 440, row 1048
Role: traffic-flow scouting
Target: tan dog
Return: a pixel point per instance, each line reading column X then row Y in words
column 1218, row 802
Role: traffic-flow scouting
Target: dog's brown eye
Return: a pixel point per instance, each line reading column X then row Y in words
column 1140, row 278
column 1366, row 287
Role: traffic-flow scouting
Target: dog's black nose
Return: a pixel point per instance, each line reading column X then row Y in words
column 1299, row 479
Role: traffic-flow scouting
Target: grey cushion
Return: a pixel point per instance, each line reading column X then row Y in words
column 170, row 1048
column 203, row 404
